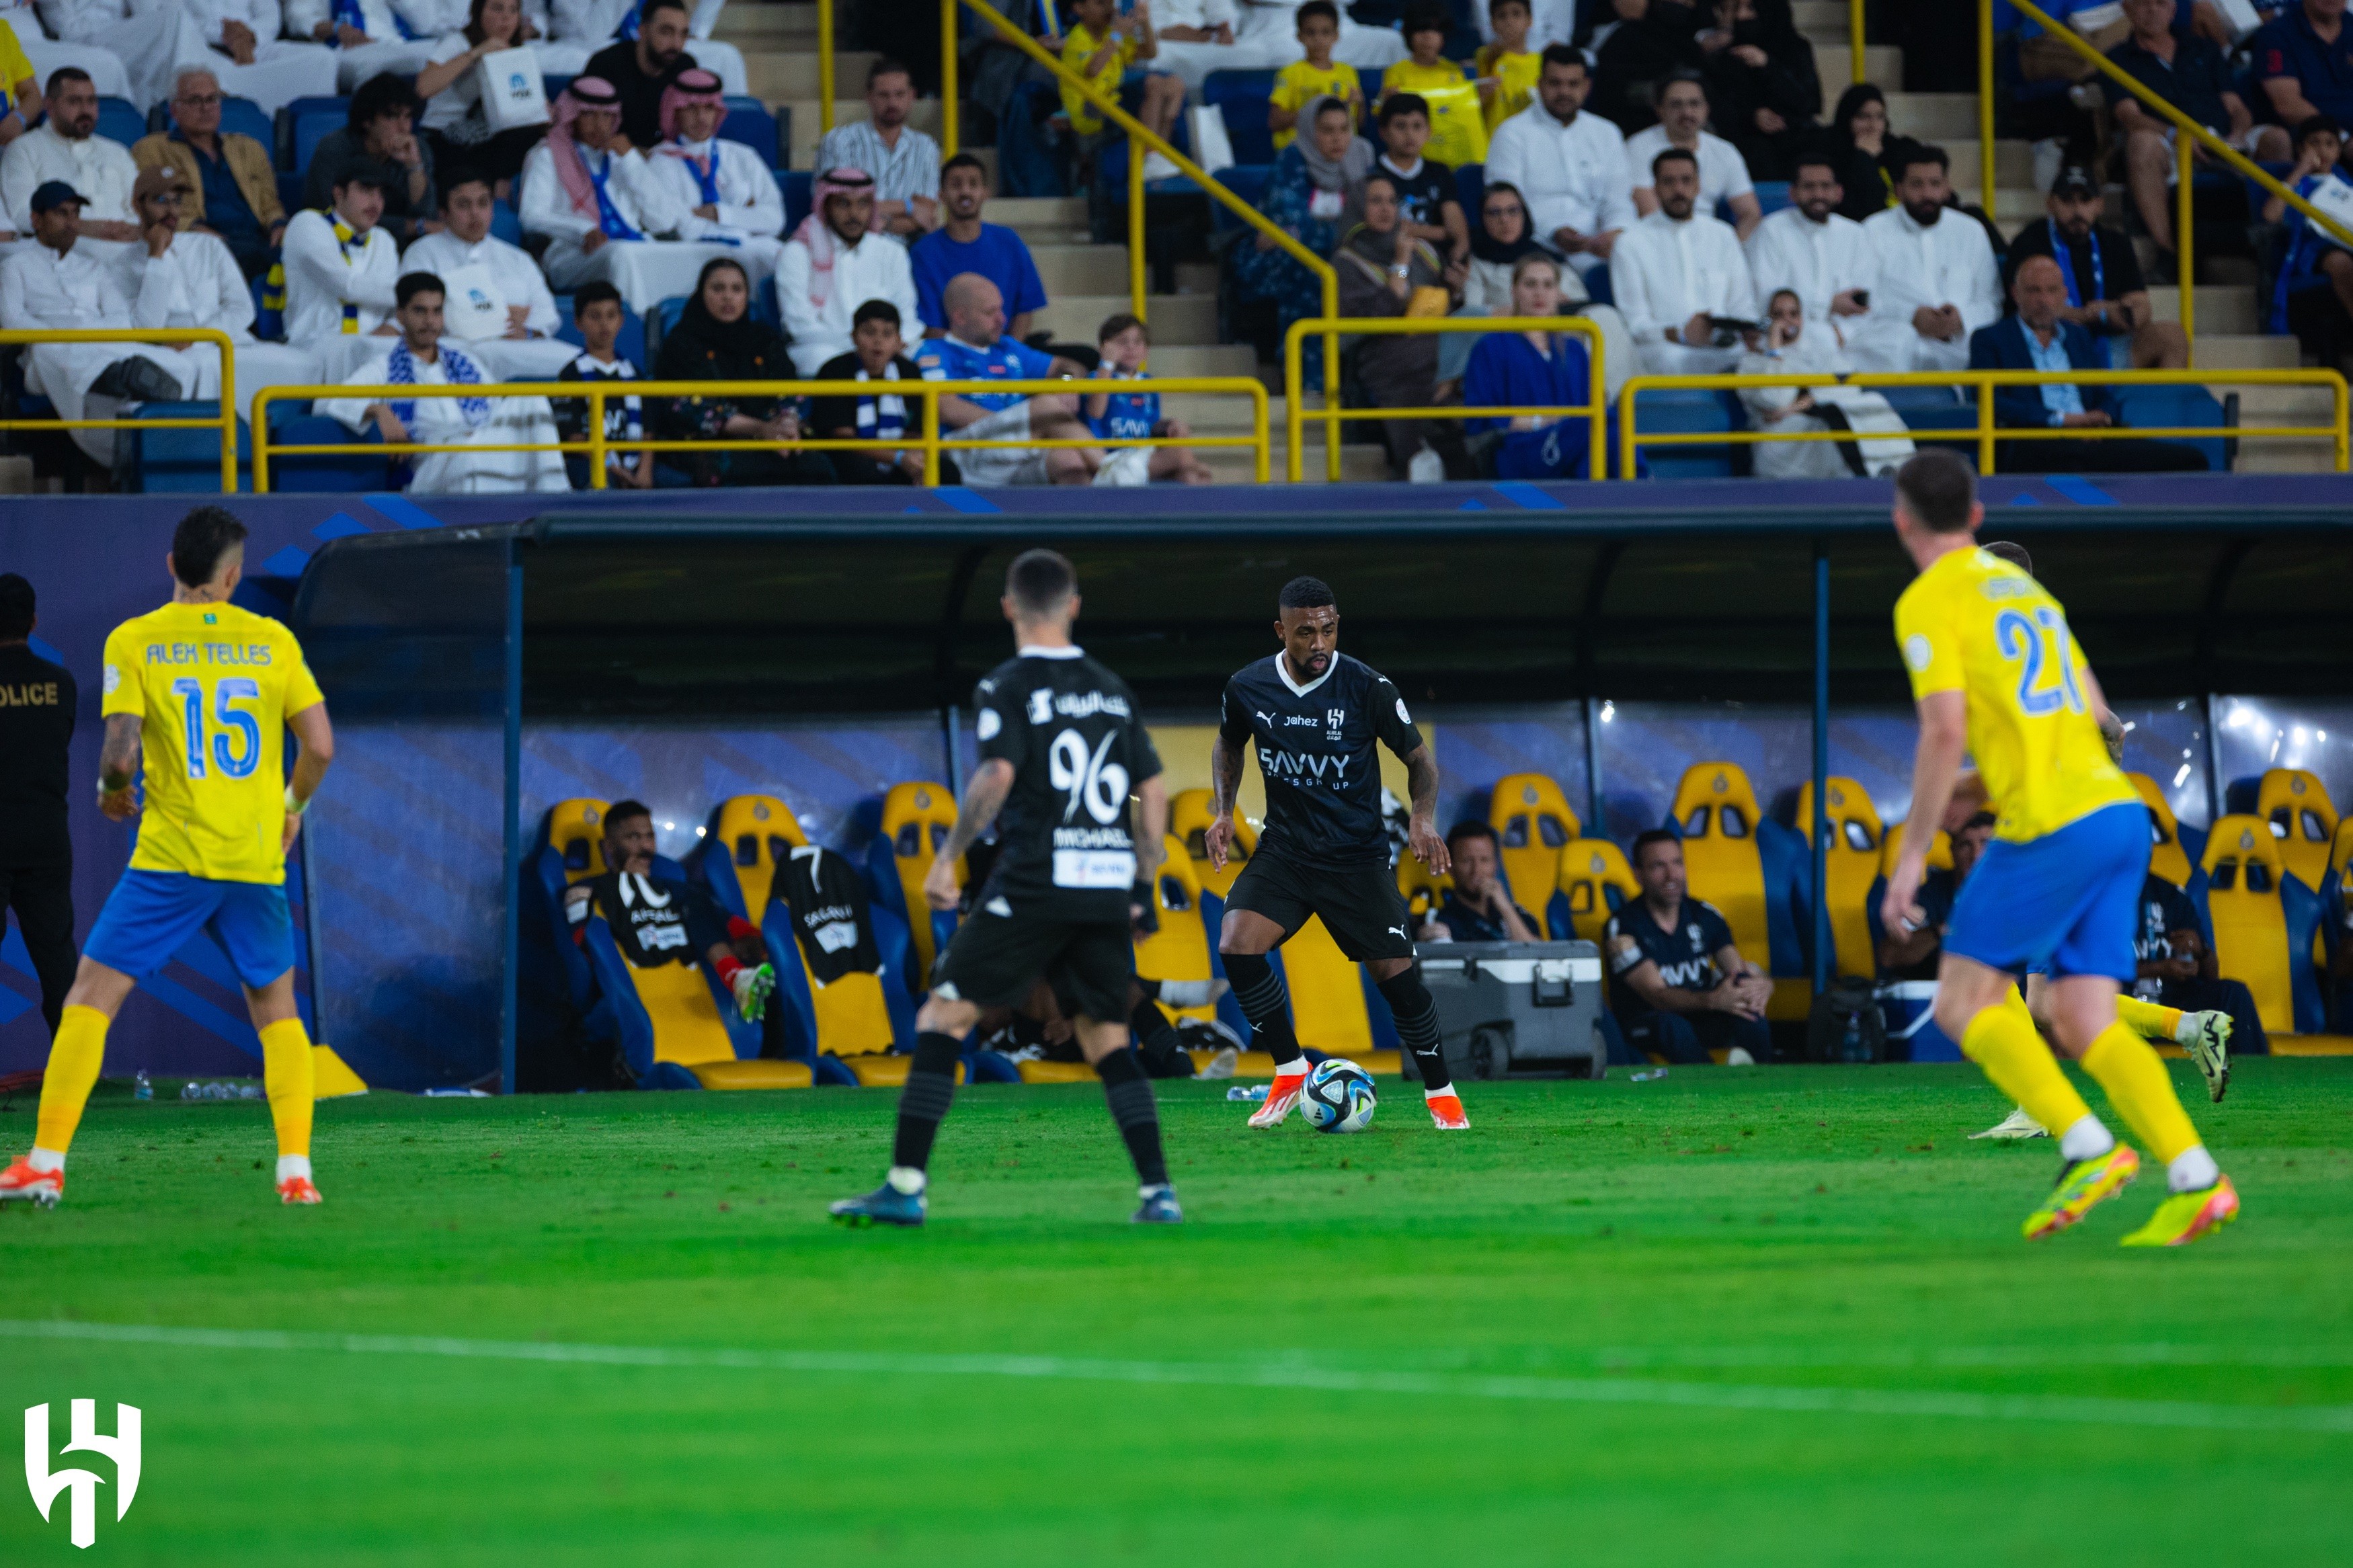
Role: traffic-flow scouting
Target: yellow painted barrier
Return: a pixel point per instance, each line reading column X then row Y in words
column 926, row 438
column 825, row 73
column 1987, row 434
column 1296, row 416
column 225, row 421
column 1854, row 38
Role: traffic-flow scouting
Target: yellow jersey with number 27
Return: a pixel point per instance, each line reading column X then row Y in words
column 1975, row 624
column 212, row 685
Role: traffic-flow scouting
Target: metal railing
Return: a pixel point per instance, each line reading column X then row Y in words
column 1986, row 433
column 1854, row 39
column 1596, row 413
column 927, row 437
column 2186, row 130
column 225, row 421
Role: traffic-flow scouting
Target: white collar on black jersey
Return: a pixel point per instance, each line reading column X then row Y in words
column 1070, row 651
column 1282, row 673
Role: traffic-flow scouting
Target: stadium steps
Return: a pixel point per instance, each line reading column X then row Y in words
column 777, row 76
column 2230, row 309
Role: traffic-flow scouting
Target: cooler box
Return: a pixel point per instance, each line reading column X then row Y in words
column 1909, row 1007
column 1525, row 1008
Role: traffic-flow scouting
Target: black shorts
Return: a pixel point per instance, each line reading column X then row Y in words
column 1360, row 905
column 994, row 960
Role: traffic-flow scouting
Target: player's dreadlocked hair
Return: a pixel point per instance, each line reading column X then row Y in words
column 1305, row 594
column 204, row 536
column 1039, row 581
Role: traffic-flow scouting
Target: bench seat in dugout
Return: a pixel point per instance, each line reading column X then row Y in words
column 1753, row 870
column 916, row 819
column 2266, row 924
column 673, row 1018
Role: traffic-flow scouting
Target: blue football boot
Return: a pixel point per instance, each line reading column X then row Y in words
column 886, row 1205
column 1159, row 1207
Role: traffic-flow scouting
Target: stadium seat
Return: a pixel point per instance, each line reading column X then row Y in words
column 2303, row 818
column 506, row 224
column 119, row 119
column 571, row 848
column 1188, row 820
column 1181, row 949
column 1471, row 188
column 1421, row 887
column 157, row 462
column 553, row 85
column 1327, row 995
column 322, row 471
column 1679, row 411
column 1748, row 868
column 1593, row 881
column 1772, row 196
column 2176, row 407
column 916, row 819
column 1941, row 852
column 290, row 195
column 672, row 1017
column 303, row 124
column 2173, row 850
column 2264, row 923
column 749, row 122
column 1852, row 870
column 1242, row 99
column 800, row 195
column 1531, row 817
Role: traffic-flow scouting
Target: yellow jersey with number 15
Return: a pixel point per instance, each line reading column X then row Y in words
column 212, row 685
column 1975, row 624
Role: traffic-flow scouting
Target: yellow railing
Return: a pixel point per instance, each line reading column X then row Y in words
column 225, row 421
column 1987, row 434
column 928, row 438
column 825, row 69
column 1854, row 39
column 1596, row 413
column 2184, row 131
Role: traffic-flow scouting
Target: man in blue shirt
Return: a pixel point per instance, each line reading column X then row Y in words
column 2304, row 61
column 2190, row 73
column 2036, row 339
column 976, row 349
column 964, row 244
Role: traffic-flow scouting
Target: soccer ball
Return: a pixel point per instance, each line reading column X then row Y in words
column 1339, row 1097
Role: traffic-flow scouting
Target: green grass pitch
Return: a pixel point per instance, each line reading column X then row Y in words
column 1735, row 1316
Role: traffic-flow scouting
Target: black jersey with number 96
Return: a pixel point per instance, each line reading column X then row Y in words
column 1069, row 727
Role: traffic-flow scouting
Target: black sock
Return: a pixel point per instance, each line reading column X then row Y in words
column 1129, row 1093
column 923, row 1103
column 1157, row 1043
column 1258, row 991
column 1415, row 1013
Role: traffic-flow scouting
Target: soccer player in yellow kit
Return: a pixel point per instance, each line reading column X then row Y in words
column 1998, row 674
column 205, row 692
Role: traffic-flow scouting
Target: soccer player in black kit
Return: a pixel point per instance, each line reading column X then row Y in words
column 1061, row 749
column 1315, row 715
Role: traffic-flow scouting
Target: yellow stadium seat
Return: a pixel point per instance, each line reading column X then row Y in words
column 2243, row 866
column 1056, row 1072
column 683, row 1013
column 759, row 1072
column 2303, row 818
column 576, row 830
column 756, row 832
column 1941, row 852
column 1423, row 889
column 1852, row 866
column 1532, row 818
column 1179, row 950
column 1716, row 810
column 891, row 1072
column 1327, row 995
column 1188, row 819
column 2340, row 860
column 1589, row 867
column 2166, row 857
column 916, row 820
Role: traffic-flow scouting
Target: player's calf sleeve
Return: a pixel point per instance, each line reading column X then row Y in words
column 2001, row 1040
column 1416, row 1012
column 1129, row 1094
column 290, row 1078
column 2149, row 1020
column 75, row 1055
column 2136, row 1082
column 1157, row 1043
column 1259, row 992
column 923, row 1103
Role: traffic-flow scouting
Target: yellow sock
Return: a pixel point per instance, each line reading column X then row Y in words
column 75, row 1057
column 2148, row 1020
column 2013, row 1002
column 2137, row 1084
column 2002, row 1041
column 287, row 1074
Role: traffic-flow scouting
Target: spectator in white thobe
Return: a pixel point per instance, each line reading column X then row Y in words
column 366, row 34
column 579, row 28
column 47, row 54
column 1198, row 36
column 1568, row 165
column 1935, row 281
column 238, row 40
column 904, row 161
column 1674, row 271
column 1790, row 343
column 417, row 357
column 189, row 278
column 341, row 272
column 834, row 263
column 63, row 148
column 515, row 337
column 1817, row 254
column 1270, row 28
column 56, row 283
column 724, row 187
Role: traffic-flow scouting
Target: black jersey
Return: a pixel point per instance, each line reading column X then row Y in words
column 1685, row 955
column 1315, row 750
column 654, row 919
column 1069, row 727
column 37, row 700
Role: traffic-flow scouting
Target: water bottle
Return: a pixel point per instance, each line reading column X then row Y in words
column 140, row 1088
column 189, row 1090
column 1251, row 1092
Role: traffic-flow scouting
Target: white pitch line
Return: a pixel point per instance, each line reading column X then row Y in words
column 1921, row 1403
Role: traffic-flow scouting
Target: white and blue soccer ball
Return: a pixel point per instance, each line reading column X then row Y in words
column 1339, row 1097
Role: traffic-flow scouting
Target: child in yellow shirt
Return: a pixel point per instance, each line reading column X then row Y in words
column 1507, row 71
column 1426, row 27
column 1100, row 47
column 1302, row 82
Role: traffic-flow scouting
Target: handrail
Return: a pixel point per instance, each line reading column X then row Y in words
column 825, row 71
column 1987, row 434
column 1854, row 39
column 1596, row 413
column 225, row 420
column 926, row 438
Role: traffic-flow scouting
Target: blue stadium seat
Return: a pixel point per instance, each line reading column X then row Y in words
column 240, row 117
column 630, row 344
column 289, row 190
column 1772, row 196
column 1110, row 164
column 672, row 1018
column 177, row 462
column 1247, row 180
column 1242, row 99
column 119, row 119
column 800, row 195
column 505, row 224
column 555, row 86
column 915, row 821
column 1676, row 411
column 749, row 121
column 2161, row 407
column 1470, row 191
column 303, row 124
column 323, row 471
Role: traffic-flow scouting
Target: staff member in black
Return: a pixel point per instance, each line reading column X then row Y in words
column 37, row 720
column 1314, row 714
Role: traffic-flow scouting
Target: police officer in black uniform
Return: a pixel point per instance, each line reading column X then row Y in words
column 37, row 720
column 1062, row 751
column 1316, row 716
